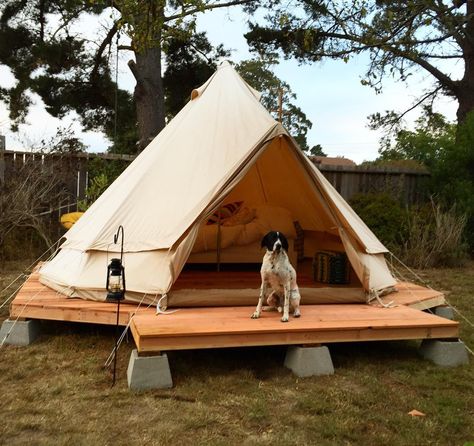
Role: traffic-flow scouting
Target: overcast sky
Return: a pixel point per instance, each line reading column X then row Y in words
column 330, row 93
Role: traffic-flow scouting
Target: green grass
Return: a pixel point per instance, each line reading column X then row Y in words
column 57, row 392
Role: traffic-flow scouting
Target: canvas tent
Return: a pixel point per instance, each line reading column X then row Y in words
column 222, row 145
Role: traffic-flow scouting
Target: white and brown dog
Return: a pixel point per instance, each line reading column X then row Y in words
column 278, row 278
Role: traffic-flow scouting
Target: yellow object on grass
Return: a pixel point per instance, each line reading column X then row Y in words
column 68, row 220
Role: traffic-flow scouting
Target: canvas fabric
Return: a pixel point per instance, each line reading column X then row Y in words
column 222, row 147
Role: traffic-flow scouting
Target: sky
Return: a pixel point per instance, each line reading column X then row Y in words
column 329, row 93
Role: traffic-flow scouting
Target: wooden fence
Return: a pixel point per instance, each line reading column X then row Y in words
column 406, row 184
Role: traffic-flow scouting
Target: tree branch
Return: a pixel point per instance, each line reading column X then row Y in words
column 98, row 56
column 133, row 68
column 67, row 20
column 444, row 79
column 431, row 94
column 206, row 8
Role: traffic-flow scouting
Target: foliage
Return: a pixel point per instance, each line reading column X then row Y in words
column 422, row 236
column 94, row 190
column 317, row 150
column 63, row 142
column 400, row 37
column 434, row 237
column 395, row 163
column 384, row 215
column 102, row 173
column 445, row 150
column 48, row 55
column 259, row 74
column 432, row 136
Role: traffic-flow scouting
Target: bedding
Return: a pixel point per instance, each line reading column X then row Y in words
column 224, row 212
column 266, row 218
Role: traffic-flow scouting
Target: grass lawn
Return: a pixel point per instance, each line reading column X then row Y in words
column 56, row 391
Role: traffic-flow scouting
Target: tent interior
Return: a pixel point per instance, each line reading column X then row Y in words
column 276, row 194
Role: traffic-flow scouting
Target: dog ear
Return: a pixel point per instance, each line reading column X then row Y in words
column 284, row 242
column 264, row 242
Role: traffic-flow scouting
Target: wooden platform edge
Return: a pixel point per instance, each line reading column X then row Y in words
column 150, row 344
column 70, row 314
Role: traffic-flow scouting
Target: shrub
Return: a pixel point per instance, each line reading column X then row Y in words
column 95, row 189
column 384, row 215
column 422, row 236
column 434, row 237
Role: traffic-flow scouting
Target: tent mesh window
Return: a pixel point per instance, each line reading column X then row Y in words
column 331, row 267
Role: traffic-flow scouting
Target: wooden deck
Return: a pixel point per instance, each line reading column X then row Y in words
column 194, row 328
column 191, row 328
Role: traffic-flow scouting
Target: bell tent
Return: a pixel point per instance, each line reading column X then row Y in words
column 223, row 155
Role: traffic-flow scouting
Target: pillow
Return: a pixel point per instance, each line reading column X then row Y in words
column 251, row 232
column 225, row 212
column 242, row 217
column 206, row 239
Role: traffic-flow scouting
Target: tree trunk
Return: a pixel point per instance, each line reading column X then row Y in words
column 465, row 100
column 465, row 91
column 149, row 93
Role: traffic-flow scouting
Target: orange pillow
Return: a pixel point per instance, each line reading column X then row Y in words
column 225, row 212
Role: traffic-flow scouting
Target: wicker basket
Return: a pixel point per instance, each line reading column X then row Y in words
column 331, row 267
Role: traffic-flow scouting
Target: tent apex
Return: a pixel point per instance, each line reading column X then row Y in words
column 225, row 63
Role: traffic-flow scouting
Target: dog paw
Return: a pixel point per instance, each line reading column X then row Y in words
column 280, row 309
column 255, row 315
column 284, row 319
column 297, row 313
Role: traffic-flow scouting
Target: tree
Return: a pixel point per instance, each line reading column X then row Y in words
column 317, row 150
column 445, row 150
column 432, row 137
column 401, row 37
column 258, row 73
column 50, row 57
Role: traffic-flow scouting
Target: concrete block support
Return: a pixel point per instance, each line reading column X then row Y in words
column 148, row 372
column 19, row 332
column 444, row 311
column 309, row 361
column 444, row 353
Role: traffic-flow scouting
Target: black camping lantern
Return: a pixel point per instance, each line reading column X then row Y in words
column 115, row 281
column 116, row 289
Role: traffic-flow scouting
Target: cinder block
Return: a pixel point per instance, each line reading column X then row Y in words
column 148, row 372
column 19, row 332
column 444, row 353
column 309, row 361
column 444, row 311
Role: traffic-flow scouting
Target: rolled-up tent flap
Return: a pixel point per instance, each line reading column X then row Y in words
column 371, row 269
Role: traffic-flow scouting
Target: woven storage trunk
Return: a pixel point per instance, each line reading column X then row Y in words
column 331, row 267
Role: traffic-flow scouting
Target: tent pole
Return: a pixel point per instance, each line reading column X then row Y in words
column 218, row 248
